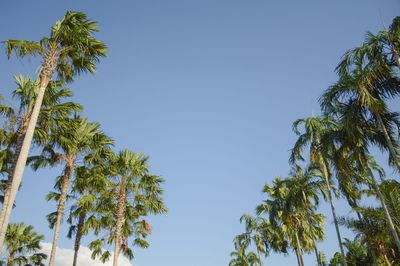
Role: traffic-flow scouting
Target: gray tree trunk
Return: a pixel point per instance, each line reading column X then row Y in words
column 386, row 211
column 13, row 161
column 328, row 187
column 392, row 151
column 68, row 172
column 298, row 250
column 120, row 221
column 78, row 237
column 21, row 162
column 312, row 234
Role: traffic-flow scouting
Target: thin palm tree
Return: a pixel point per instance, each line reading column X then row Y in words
column 315, row 135
column 134, row 194
column 286, row 211
column 366, row 76
column 307, row 184
column 71, row 140
column 54, row 108
column 241, row 258
column 254, row 234
column 353, row 134
column 88, row 185
column 23, row 246
column 70, row 50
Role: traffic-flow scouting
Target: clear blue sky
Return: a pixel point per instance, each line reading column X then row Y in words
column 208, row 89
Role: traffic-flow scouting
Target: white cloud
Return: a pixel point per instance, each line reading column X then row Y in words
column 64, row 257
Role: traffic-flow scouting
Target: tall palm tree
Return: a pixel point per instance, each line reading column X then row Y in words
column 353, row 135
column 287, row 212
column 366, row 76
column 71, row 140
column 88, row 185
column 314, row 135
column 70, row 50
column 54, row 108
column 23, row 246
column 133, row 195
column 307, row 185
column 241, row 258
column 254, row 234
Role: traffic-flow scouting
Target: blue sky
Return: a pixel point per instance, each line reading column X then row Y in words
column 209, row 90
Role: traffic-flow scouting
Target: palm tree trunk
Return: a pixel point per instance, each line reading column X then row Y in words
column 360, row 218
column 328, row 187
column 10, row 259
column 23, row 156
column 78, row 237
column 392, row 151
column 66, row 180
column 259, row 257
column 298, row 250
column 19, row 138
column 386, row 260
column 312, row 235
column 120, row 221
column 386, row 211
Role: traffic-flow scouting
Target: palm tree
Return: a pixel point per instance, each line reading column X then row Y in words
column 70, row 50
column 354, row 165
column 307, row 185
column 70, row 140
column 366, row 76
column 240, row 258
column 22, row 246
column 287, row 212
column 315, row 135
column 254, row 234
column 283, row 215
column 54, row 108
column 134, row 194
column 88, row 185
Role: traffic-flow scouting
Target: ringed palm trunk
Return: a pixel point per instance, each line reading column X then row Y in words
column 392, row 151
column 46, row 73
column 298, row 250
column 312, row 235
column 69, row 169
column 10, row 259
column 386, row 211
column 373, row 254
column 120, row 221
column 259, row 257
column 78, row 237
column 13, row 160
column 328, row 187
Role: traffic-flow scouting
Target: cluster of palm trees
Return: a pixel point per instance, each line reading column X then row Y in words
column 109, row 193
column 332, row 159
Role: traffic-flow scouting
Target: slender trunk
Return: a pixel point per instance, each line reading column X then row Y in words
column 328, row 187
column 396, row 57
column 386, row 211
column 10, row 259
column 120, row 220
column 389, row 142
column 312, row 234
column 317, row 255
column 78, row 237
column 373, row 254
column 387, row 261
column 66, row 180
column 298, row 250
column 49, row 64
column 19, row 138
column 259, row 257
column 21, row 162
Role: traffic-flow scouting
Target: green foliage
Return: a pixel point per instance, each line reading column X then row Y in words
column 23, row 246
